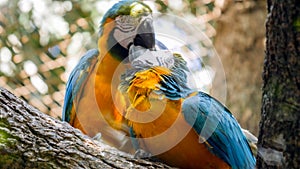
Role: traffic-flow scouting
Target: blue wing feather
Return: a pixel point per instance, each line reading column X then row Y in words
column 76, row 80
column 217, row 126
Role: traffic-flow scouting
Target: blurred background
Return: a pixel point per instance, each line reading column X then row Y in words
column 41, row 41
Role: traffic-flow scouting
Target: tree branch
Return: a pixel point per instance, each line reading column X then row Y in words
column 31, row 139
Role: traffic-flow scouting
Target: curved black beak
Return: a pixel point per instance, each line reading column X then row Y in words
column 145, row 36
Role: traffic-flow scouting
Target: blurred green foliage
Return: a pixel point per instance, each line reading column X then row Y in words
column 35, row 39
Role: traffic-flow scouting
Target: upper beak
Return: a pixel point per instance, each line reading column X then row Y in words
column 145, row 36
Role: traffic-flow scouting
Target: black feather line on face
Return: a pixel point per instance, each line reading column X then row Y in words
column 115, row 49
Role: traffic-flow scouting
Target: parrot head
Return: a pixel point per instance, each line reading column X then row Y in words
column 127, row 22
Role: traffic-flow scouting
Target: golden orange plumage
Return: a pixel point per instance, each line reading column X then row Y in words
column 95, row 108
column 96, row 100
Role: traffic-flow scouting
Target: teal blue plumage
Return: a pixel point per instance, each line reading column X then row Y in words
column 222, row 131
column 77, row 79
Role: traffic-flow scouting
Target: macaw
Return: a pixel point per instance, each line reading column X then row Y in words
column 90, row 104
column 179, row 126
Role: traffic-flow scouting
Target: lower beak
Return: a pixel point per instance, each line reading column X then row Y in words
column 145, row 36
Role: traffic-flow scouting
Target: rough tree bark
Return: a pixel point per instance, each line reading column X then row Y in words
column 240, row 44
column 31, row 139
column 279, row 145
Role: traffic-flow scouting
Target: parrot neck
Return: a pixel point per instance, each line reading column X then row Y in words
column 106, row 67
column 107, row 62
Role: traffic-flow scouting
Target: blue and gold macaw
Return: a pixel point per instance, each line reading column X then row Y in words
column 181, row 127
column 89, row 104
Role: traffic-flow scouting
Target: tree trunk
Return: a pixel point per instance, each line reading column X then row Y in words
column 278, row 145
column 240, row 45
column 31, row 139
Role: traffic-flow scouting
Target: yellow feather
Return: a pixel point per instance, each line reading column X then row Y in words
column 142, row 86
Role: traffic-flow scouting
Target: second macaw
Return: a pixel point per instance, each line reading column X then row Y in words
column 181, row 127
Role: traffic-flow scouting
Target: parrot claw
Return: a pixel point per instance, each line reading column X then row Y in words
column 97, row 137
column 142, row 154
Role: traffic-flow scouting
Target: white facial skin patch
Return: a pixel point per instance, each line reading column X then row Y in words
column 126, row 28
column 139, row 57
